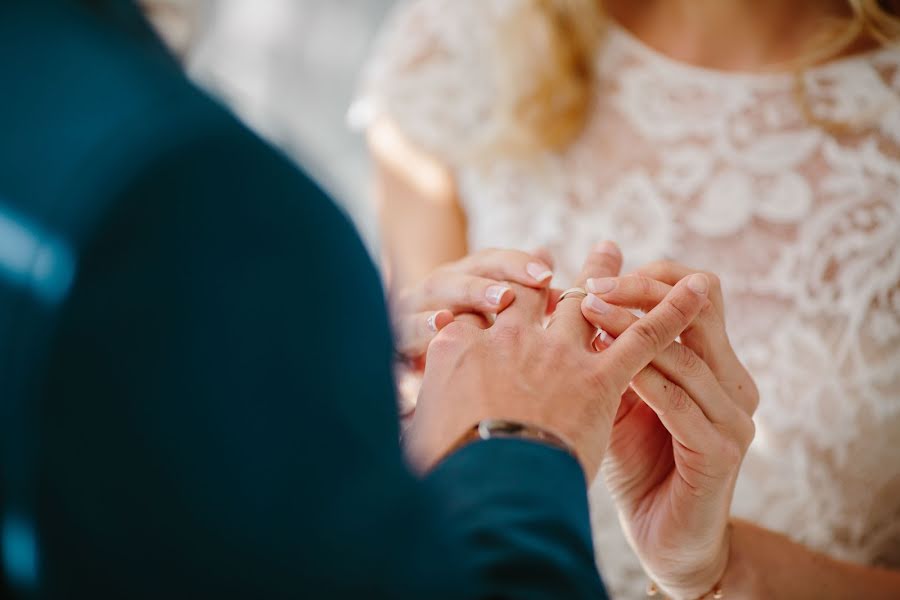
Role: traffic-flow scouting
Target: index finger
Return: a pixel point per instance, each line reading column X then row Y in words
column 514, row 266
column 671, row 272
column 653, row 333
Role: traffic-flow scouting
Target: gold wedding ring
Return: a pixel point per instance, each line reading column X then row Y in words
column 575, row 292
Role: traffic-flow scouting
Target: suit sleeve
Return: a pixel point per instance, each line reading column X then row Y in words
column 219, row 417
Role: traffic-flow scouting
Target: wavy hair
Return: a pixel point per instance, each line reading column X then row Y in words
column 554, row 107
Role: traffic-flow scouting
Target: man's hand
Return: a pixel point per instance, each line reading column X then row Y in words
column 550, row 377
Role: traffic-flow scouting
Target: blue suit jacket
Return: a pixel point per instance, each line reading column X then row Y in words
column 195, row 363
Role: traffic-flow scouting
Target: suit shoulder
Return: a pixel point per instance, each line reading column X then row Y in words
column 91, row 94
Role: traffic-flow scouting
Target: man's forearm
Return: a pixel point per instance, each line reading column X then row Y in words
column 519, row 512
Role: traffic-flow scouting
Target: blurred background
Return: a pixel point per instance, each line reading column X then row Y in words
column 289, row 68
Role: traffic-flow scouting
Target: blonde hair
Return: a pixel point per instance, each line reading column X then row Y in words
column 553, row 110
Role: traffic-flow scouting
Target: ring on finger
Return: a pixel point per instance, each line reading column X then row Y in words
column 575, row 292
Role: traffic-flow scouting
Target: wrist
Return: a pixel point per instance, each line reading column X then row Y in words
column 507, row 429
column 739, row 580
column 707, row 581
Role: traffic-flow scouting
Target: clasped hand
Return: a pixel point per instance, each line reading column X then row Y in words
column 670, row 421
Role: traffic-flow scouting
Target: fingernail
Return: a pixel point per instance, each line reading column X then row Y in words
column 603, row 341
column 539, row 272
column 495, row 294
column 601, row 286
column 698, row 283
column 597, row 305
column 608, row 248
column 432, row 323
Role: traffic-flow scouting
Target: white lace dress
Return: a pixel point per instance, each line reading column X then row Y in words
column 723, row 172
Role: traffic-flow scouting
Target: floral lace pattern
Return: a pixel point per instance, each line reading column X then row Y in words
column 727, row 173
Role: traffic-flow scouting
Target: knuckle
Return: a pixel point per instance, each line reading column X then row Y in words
column 688, row 362
column 645, row 285
column 452, row 336
column 650, row 333
column 680, row 309
column 507, row 333
column 676, row 399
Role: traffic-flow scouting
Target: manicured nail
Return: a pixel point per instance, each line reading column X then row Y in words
column 597, row 305
column 539, row 272
column 601, row 286
column 495, row 294
column 432, row 323
column 698, row 283
column 608, row 248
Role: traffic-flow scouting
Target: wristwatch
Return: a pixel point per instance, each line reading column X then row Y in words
column 491, row 429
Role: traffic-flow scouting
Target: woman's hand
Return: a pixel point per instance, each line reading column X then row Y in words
column 546, row 375
column 478, row 284
column 680, row 434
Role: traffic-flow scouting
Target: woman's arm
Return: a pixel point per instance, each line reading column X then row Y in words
column 422, row 223
column 674, row 455
column 765, row 564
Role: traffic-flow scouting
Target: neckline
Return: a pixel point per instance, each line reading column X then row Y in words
column 651, row 54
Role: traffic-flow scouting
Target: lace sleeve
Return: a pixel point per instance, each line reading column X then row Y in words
column 434, row 72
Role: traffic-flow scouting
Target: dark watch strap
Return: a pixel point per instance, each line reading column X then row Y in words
column 502, row 429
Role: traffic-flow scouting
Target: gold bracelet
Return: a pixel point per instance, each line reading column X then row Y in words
column 715, row 593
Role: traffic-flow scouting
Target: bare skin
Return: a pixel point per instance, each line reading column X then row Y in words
column 424, row 228
column 733, row 35
column 675, row 453
column 549, row 375
column 422, row 221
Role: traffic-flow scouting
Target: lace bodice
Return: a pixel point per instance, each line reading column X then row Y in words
column 727, row 173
